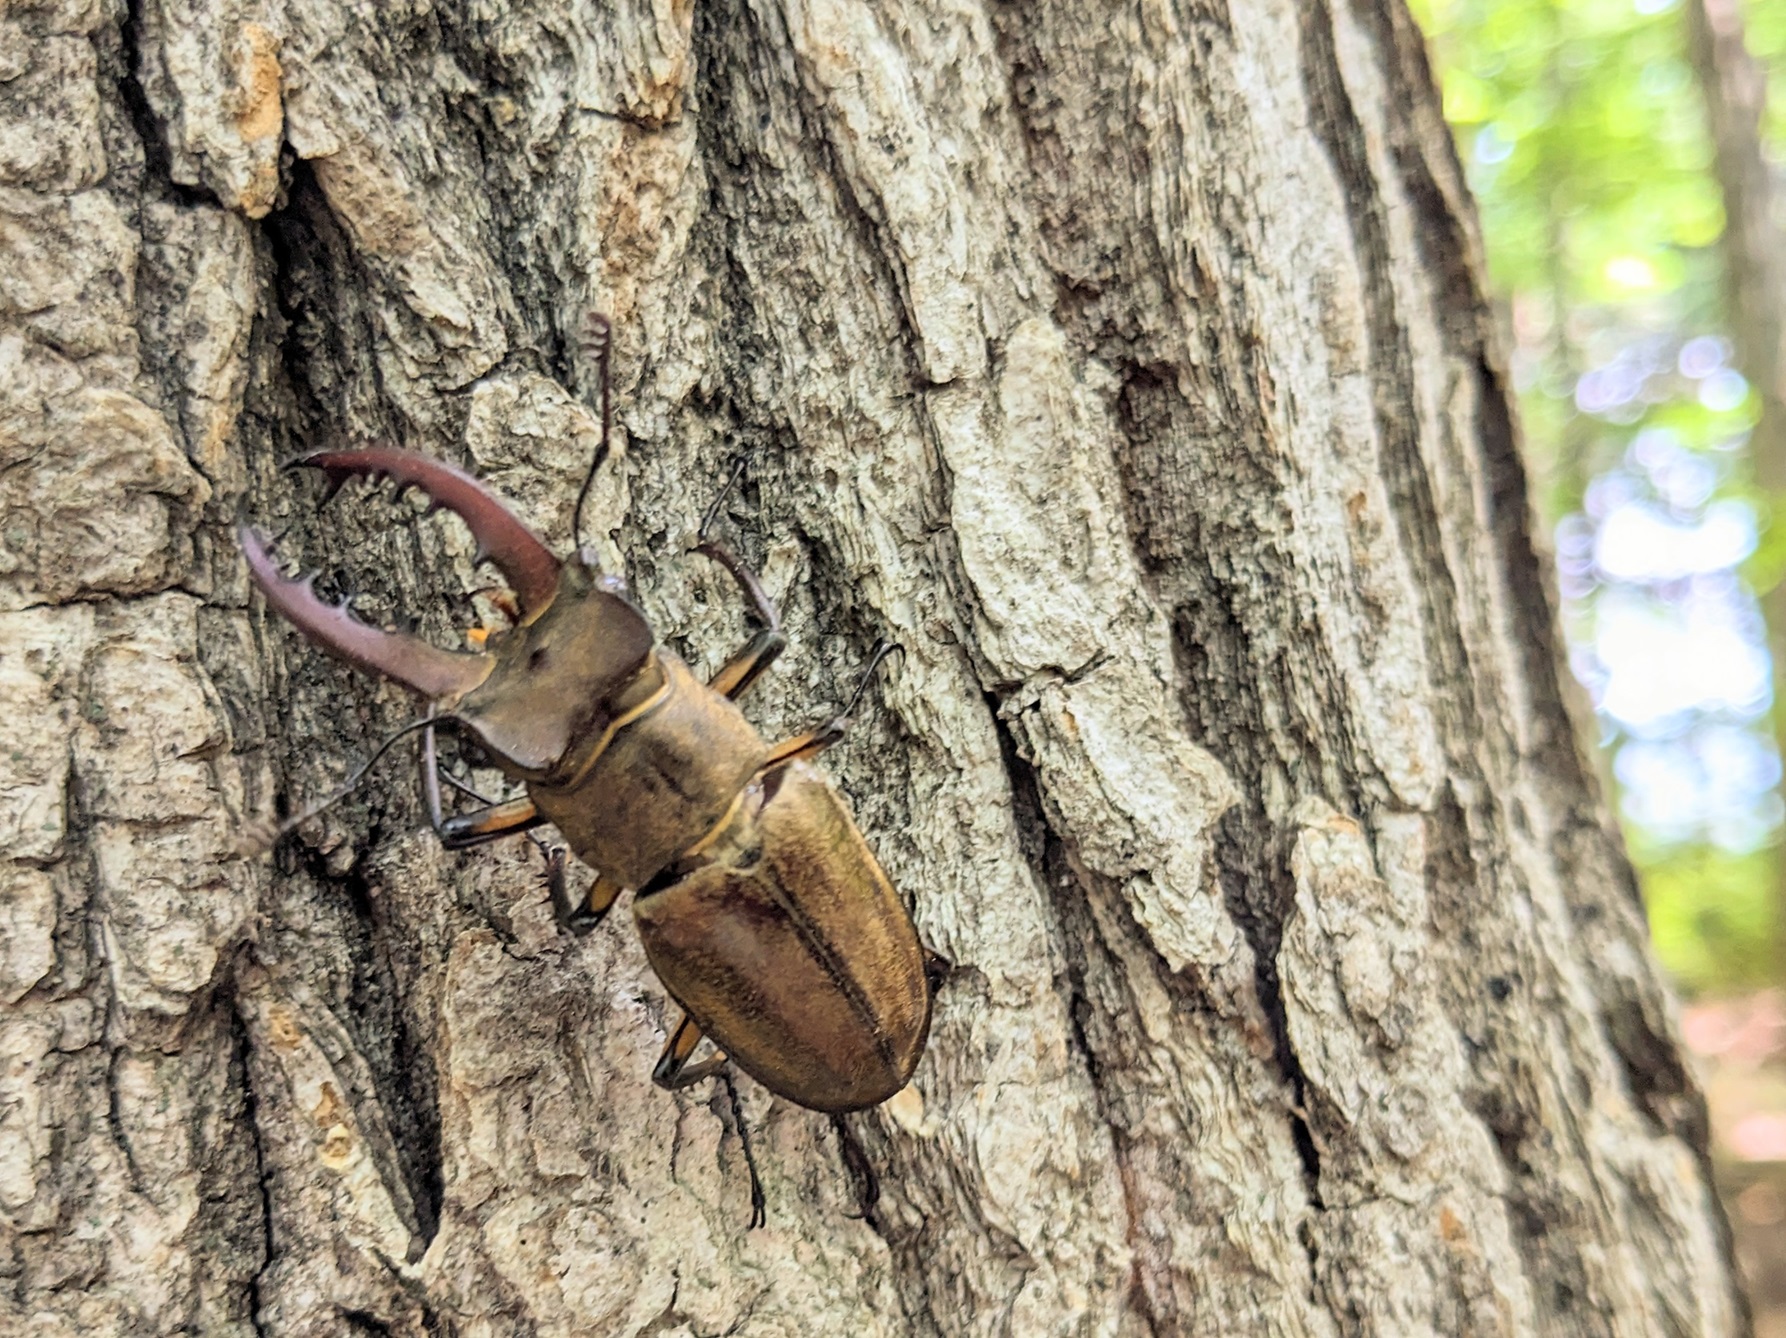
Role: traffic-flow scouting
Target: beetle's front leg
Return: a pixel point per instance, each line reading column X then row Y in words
column 493, row 821
column 519, row 815
column 465, row 830
column 745, row 667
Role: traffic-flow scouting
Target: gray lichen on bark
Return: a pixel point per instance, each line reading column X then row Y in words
column 1131, row 368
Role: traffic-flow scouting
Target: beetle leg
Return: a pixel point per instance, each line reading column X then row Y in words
column 673, row 1070
column 759, row 1211
column 465, row 830
column 562, row 910
column 936, row 968
column 462, row 831
column 579, row 920
column 759, row 653
column 815, row 741
column 748, row 582
column 744, row 668
column 807, row 745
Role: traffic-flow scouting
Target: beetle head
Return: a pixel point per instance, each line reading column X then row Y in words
column 545, row 683
column 556, row 676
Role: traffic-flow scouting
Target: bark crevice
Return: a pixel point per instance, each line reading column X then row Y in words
column 150, row 126
column 251, row 1121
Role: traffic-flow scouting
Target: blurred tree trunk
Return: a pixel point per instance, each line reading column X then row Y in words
column 1131, row 368
column 1735, row 89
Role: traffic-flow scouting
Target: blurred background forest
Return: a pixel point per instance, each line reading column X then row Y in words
column 1629, row 158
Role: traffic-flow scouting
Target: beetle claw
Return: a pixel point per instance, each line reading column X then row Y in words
column 408, row 659
column 523, row 559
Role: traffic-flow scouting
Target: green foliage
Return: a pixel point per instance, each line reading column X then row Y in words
column 1581, row 127
column 1711, row 913
column 1764, row 33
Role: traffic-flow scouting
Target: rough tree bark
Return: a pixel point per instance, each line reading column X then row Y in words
column 1130, row 367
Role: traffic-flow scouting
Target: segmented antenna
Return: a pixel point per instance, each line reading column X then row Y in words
column 261, row 837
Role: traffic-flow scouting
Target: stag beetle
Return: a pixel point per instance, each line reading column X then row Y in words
column 762, row 910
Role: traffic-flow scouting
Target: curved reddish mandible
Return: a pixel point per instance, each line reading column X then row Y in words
column 527, row 563
column 426, row 669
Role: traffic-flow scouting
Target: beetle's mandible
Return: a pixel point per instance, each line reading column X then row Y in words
column 761, row 908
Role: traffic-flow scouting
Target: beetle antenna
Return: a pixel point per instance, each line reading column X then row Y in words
column 598, row 343
column 260, row 837
column 719, row 501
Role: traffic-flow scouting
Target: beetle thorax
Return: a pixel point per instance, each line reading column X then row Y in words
column 663, row 779
column 561, row 679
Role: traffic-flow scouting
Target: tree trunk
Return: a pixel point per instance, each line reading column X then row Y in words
column 1131, row 369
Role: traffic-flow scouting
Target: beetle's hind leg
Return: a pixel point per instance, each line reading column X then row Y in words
column 936, row 968
column 815, row 741
column 673, row 1072
column 759, row 1211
